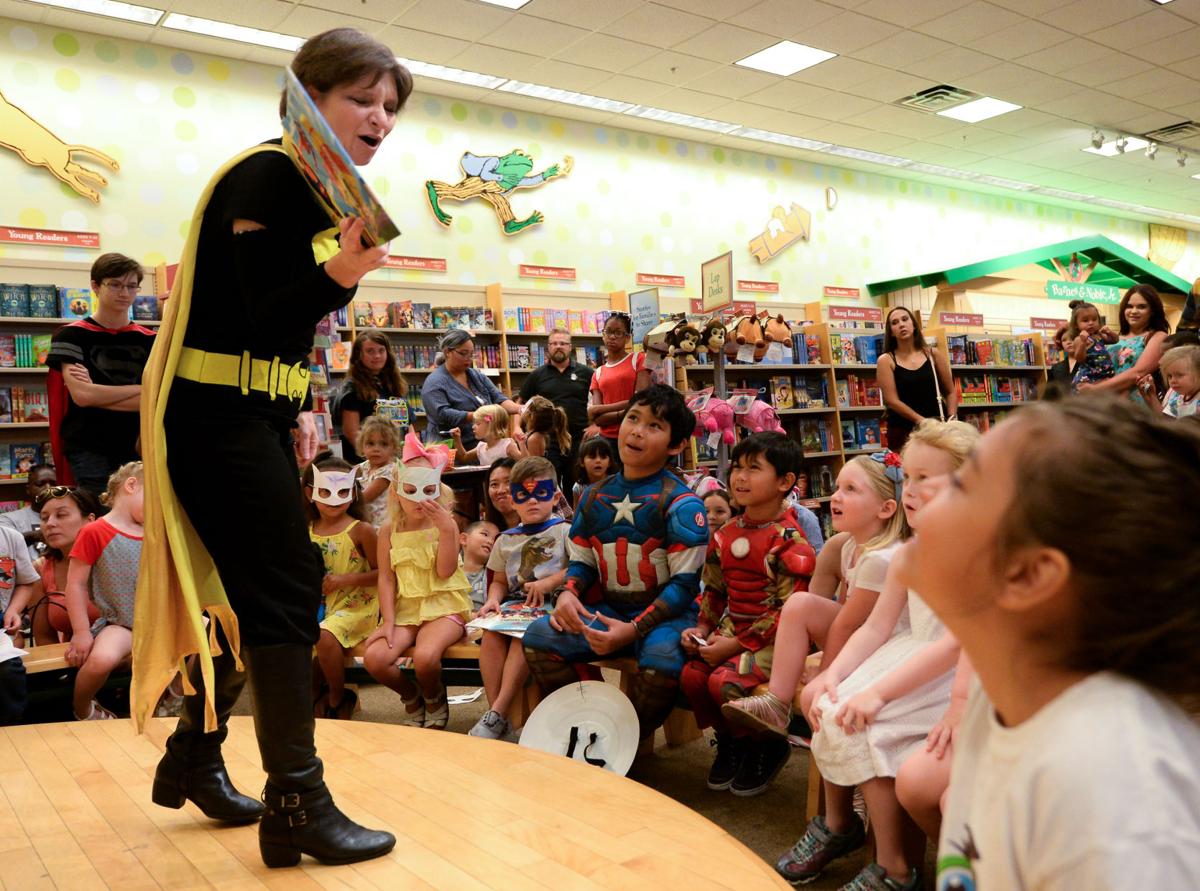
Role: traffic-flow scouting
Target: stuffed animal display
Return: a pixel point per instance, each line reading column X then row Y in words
column 760, row 417
column 684, row 341
column 749, row 330
column 716, row 417
column 713, row 337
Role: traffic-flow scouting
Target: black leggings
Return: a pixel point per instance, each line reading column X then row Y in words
column 238, row 482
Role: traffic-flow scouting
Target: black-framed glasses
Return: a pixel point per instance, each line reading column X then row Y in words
column 467, row 355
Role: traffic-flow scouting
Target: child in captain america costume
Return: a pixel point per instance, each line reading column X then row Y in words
column 637, row 546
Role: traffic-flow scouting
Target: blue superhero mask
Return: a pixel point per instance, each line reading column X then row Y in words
column 537, row 490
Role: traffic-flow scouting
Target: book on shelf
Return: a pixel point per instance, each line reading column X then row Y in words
column 22, row 456
column 338, row 355
column 422, row 315
column 990, row 351
column 362, row 315
column 811, row 392
column 814, row 436
column 43, row 302
column 400, row 314
column 75, row 303
column 14, row 300
column 6, row 405
column 30, row 405
column 145, row 309
column 978, row 388
column 575, row 321
column 869, row 434
column 512, row 619
column 849, row 433
column 782, row 393
column 843, row 392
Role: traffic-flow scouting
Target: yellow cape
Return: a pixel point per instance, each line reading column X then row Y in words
column 178, row 582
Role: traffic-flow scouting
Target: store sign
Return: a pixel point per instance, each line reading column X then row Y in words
column 855, row 314
column 834, row 291
column 424, row 264
column 736, row 308
column 961, row 318
column 643, row 313
column 1046, row 324
column 50, row 237
column 760, row 287
column 716, row 282
column 565, row 273
column 662, row 281
column 1082, row 291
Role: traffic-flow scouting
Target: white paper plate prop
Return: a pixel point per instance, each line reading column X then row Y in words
column 590, row 721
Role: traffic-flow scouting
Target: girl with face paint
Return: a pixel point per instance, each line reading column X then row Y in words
column 348, row 550
column 424, row 596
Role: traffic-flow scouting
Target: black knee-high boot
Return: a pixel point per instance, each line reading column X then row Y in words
column 192, row 767
column 301, row 817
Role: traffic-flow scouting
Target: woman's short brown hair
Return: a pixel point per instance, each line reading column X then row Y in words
column 346, row 56
column 1133, row 564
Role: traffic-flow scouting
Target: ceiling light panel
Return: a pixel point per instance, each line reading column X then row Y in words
column 453, row 75
column 781, row 139
column 683, row 120
column 553, row 94
column 979, row 110
column 939, row 170
column 844, row 151
column 785, row 58
column 110, row 8
column 240, row 33
column 1004, row 183
column 507, row 4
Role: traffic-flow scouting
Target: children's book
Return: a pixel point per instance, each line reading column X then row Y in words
column 394, row 410
column 422, row 315
column 511, row 620
column 145, row 308
column 322, row 160
column 75, row 303
column 6, row 415
column 43, row 301
column 781, row 392
column 8, row 351
column 850, row 434
column 868, row 433
column 381, row 314
column 339, row 355
column 362, row 315
column 23, row 456
column 37, row 405
column 14, row 300
column 400, row 314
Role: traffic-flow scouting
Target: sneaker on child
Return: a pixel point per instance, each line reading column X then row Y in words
column 731, row 752
column 874, row 878
column 816, row 849
column 763, row 760
column 492, row 725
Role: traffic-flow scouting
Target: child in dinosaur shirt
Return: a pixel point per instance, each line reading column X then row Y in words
column 529, row 563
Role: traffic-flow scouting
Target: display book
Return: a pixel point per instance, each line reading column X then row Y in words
column 24, row 350
column 322, row 160
column 855, row 349
column 420, row 316
column 512, row 619
column 17, row 458
column 537, row 320
column 533, row 355
column 854, row 391
column 31, row 301
column 963, row 350
column 977, row 388
column 24, row 405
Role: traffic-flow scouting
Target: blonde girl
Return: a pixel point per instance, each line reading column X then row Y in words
column 424, row 596
column 876, row 701
column 493, row 428
column 104, row 563
column 378, row 442
column 348, row 549
column 547, row 434
column 1077, row 764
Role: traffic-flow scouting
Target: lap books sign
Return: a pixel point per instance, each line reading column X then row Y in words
column 319, row 154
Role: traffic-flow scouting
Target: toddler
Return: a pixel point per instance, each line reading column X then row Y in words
column 595, row 464
column 529, row 564
column 424, row 596
column 348, row 549
column 1181, row 365
column 755, row 562
column 1077, row 764
column 719, row 509
column 493, row 428
column 378, row 442
column 1090, row 335
column 476, row 542
column 104, row 570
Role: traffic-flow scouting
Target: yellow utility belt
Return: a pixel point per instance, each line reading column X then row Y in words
column 244, row 372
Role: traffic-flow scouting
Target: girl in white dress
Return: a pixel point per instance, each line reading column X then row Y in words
column 891, row 681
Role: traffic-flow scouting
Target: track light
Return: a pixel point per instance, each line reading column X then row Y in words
column 1121, row 142
column 1181, row 158
column 1097, row 139
column 1152, row 150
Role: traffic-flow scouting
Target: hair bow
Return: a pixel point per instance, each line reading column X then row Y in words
column 893, row 468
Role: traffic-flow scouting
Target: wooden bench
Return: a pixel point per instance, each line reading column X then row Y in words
column 49, row 657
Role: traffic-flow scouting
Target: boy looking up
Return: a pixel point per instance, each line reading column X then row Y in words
column 637, row 546
column 755, row 562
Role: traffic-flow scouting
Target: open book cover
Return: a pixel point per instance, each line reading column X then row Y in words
column 512, row 619
column 319, row 154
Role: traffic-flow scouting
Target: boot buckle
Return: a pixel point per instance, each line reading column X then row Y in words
column 299, row 818
column 288, row 801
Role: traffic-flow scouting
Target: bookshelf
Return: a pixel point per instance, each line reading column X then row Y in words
column 32, row 378
column 980, row 382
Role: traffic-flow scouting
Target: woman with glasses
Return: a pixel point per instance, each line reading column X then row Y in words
column 455, row 389
column 95, row 382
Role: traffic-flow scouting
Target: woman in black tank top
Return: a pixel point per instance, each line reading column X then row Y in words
column 906, row 376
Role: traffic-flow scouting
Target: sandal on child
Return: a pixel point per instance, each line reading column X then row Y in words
column 764, row 713
column 437, row 713
column 414, row 717
column 97, row 713
column 344, row 710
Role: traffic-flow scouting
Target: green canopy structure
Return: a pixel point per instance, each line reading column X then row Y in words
column 1116, row 266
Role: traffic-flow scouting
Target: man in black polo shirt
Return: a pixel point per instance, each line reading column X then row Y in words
column 99, row 360
column 565, row 383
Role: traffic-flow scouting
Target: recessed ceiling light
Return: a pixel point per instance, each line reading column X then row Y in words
column 781, row 139
column 1005, row 183
column 785, row 58
column 1196, row 176
column 210, row 28
column 553, row 94
column 128, row 11
column 454, row 75
column 939, row 170
column 1110, row 148
column 516, row 4
column 979, row 110
column 683, row 120
column 845, row 151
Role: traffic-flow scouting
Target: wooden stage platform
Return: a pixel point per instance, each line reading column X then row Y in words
column 75, row 813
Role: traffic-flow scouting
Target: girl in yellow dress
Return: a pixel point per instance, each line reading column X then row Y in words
column 424, row 596
column 348, row 548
